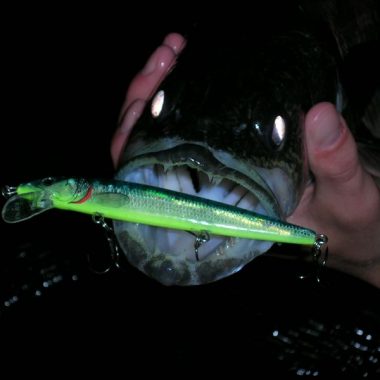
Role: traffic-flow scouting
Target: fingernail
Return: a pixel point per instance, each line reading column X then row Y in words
column 327, row 127
column 132, row 114
column 174, row 41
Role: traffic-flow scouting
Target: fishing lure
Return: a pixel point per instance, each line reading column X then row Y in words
column 137, row 203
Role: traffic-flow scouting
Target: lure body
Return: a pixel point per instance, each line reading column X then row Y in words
column 137, row 203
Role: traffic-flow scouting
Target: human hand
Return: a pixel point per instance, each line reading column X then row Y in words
column 343, row 202
column 142, row 88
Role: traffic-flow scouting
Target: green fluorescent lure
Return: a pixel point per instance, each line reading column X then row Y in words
column 137, row 203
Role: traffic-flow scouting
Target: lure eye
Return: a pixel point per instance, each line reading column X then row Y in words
column 48, row 181
column 278, row 131
column 73, row 186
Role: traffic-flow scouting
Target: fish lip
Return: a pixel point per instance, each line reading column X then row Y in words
column 210, row 162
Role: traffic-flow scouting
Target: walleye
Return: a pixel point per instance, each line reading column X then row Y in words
column 227, row 125
column 149, row 205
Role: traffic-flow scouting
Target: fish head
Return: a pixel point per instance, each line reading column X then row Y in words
column 229, row 127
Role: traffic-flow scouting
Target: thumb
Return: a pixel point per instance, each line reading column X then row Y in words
column 332, row 153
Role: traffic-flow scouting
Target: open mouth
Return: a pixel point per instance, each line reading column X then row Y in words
column 171, row 256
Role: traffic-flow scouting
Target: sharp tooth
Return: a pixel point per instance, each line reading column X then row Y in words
column 227, row 186
column 173, row 238
column 171, row 181
column 149, row 176
column 166, row 167
column 230, row 242
column 260, row 209
column 135, row 176
column 184, row 180
column 235, row 195
column 219, row 251
column 216, row 180
column 164, row 240
column 248, row 202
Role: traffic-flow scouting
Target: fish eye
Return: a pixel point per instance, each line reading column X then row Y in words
column 48, row 181
column 278, row 131
column 165, row 103
column 157, row 104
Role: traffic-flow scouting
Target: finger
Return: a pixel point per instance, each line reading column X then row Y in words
column 175, row 41
column 142, row 87
column 121, row 135
column 333, row 158
column 331, row 148
column 158, row 64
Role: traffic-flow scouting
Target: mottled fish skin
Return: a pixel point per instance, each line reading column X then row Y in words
column 215, row 132
column 235, row 114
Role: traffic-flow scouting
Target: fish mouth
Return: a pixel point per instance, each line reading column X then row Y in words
column 170, row 256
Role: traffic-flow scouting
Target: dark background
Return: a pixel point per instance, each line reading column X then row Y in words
column 64, row 77
column 65, row 74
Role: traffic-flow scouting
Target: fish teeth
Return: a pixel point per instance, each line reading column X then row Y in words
column 235, row 195
column 209, row 176
column 216, row 180
column 166, row 167
column 185, row 183
column 170, row 181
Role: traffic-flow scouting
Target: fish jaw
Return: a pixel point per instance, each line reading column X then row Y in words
column 169, row 255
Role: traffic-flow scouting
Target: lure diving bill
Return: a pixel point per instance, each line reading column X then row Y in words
column 137, row 203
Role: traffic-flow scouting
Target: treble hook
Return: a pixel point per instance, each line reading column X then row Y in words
column 8, row 191
column 320, row 254
column 200, row 239
column 115, row 253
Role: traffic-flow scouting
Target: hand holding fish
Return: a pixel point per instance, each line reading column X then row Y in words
column 344, row 198
column 142, row 88
column 343, row 201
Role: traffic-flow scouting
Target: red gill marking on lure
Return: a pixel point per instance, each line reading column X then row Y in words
column 86, row 197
